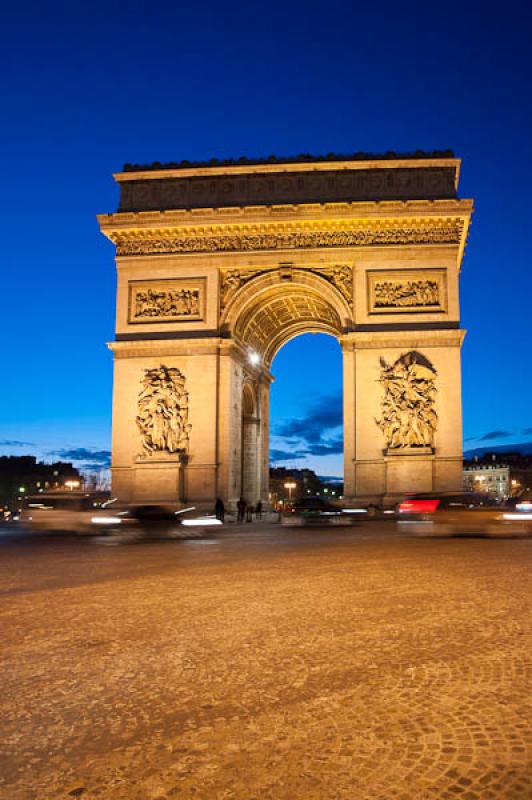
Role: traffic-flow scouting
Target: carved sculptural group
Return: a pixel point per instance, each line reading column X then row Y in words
column 339, row 275
column 166, row 303
column 406, row 293
column 162, row 417
column 406, row 233
column 408, row 417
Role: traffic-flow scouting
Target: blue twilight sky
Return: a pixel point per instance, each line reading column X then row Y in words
column 87, row 87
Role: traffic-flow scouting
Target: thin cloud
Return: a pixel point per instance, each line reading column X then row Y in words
column 285, row 455
column 333, row 447
column 494, row 435
column 528, row 431
column 16, row 443
column 324, row 415
column 96, row 458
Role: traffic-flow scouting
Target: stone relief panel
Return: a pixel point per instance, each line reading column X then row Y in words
column 448, row 232
column 407, row 291
column 177, row 300
column 162, row 412
column 408, row 418
column 339, row 275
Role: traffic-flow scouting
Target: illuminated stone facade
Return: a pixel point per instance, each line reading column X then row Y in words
column 219, row 266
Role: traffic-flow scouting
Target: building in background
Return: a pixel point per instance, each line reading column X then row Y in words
column 491, row 478
column 500, row 474
column 21, row 476
column 294, row 484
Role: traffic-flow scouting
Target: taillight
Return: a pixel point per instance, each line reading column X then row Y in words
column 418, row 506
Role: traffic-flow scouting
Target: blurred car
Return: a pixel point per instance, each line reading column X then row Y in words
column 463, row 514
column 71, row 512
column 138, row 522
column 313, row 510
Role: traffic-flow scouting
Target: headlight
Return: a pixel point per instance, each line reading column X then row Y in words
column 106, row 520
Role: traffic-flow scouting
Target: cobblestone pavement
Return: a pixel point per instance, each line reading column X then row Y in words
column 272, row 663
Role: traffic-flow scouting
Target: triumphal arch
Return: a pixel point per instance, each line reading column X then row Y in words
column 220, row 264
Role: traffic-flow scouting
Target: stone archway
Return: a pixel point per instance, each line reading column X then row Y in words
column 219, row 266
column 274, row 307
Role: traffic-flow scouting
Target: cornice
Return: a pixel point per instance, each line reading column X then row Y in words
column 291, row 211
column 290, row 235
column 401, row 339
column 286, row 167
column 192, row 347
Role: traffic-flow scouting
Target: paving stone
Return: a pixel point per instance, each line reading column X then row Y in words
column 292, row 665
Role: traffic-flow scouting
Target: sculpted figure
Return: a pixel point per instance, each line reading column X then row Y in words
column 169, row 303
column 230, row 283
column 408, row 416
column 406, row 293
column 162, row 417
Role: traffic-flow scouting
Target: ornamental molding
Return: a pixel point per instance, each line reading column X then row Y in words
column 289, row 236
column 404, row 339
column 338, row 275
column 358, row 211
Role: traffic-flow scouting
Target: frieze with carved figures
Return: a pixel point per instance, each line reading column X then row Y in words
column 407, row 292
column 448, row 232
column 165, row 301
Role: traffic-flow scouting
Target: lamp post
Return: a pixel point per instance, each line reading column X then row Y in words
column 290, row 485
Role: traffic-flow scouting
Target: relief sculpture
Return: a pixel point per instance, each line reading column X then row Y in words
column 148, row 304
column 408, row 416
column 232, row 280
column 395, row 294
column 340, row 275
column 444, row 233
column 162, row 417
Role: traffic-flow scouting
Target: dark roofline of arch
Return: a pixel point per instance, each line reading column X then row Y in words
column 301, row 158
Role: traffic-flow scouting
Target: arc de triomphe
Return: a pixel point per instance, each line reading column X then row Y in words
column 219, row 266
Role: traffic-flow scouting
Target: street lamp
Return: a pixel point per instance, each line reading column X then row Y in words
column 290, row 485
column 72, row 485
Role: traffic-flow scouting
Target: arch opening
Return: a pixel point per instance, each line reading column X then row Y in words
column 306, row 412
column 268, row 312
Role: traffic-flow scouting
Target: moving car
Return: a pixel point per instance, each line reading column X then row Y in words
column 71, row 512
column 463, row 514
column 137, row 522
column 313, row 510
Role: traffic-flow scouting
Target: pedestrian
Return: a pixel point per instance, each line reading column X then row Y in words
column 241, row 509
column 249, row 513
column 219, row 509
column 258, row 509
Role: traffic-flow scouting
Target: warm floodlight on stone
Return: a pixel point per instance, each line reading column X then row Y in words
column 366, row 249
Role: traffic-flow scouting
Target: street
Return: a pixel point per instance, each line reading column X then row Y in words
column 266, row 662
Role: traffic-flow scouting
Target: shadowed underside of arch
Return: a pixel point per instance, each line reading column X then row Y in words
column 269, row 323
column 268, row 314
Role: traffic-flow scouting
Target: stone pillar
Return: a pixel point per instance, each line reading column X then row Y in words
column 264, row 450
column 250, row 459
column 349, row 403
column 375, row 472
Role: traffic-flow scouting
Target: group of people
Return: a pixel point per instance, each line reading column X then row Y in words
column 245, row 510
